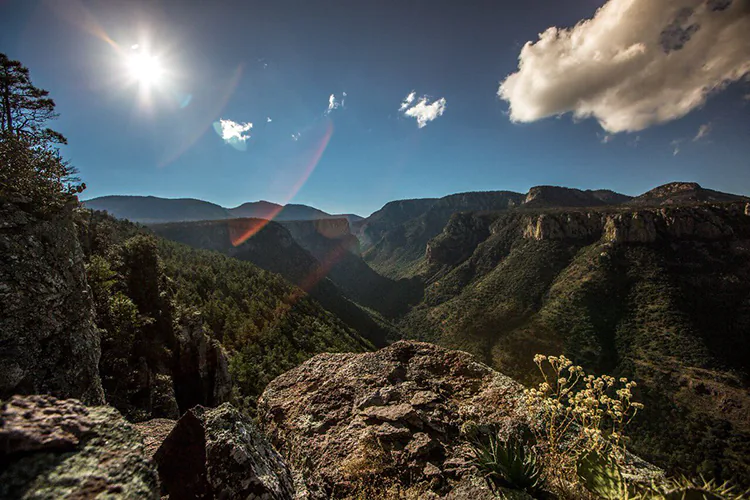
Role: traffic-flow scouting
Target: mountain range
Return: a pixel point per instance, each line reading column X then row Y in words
column 154, row 210
column 652, row 288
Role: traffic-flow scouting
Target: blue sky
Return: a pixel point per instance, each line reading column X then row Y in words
column 246, row 61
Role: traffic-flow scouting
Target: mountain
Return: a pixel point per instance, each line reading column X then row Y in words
column 273, row 248
column 151, row 210
column 555, row 196
column 273, row 211
column 154, row 210
column 658, row 295
column 395, row 237
column 683, row 193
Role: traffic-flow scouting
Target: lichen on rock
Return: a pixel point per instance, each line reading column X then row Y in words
column 53, row 448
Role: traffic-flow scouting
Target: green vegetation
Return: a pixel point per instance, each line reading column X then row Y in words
column 146, row 289
column 32, row 172
column 508, row 463
column 671, row 314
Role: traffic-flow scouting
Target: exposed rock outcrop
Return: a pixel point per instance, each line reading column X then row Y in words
column 638, row 226
column 683, row 193
column 394, row 414
column 201, row 373
column 575, row 226
column 48, row 341
column 459, row 238
column 219, row 453
column 52, row 448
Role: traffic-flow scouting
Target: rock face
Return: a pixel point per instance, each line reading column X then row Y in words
column 54, row 448
column 683, row 193
column 201, row 374
column 395, row 413
column 459, row 238
column 638, row 226
column 218, row 453
column 48, row 341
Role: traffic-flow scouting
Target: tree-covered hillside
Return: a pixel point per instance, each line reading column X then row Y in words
column 660, row 296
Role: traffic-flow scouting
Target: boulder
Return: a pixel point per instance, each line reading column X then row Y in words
column 395, row 414
column 51, row 448
column 219, row 453
column 48, row 341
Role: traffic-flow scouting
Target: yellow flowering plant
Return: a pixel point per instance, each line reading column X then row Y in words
column 579, row 413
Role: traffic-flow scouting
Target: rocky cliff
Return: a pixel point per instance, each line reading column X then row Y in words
column 706, row 222
column 48, row 340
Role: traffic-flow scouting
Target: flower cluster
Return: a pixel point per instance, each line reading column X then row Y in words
column 580, row 413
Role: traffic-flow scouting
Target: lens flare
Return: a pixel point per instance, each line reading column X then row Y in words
column 245, row 230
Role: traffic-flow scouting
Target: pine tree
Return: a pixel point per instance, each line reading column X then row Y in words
column 25, row 109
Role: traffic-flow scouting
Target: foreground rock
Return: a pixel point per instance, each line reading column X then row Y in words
column 395, row 415
column 48, row 341
column 218, row 453
column 52, row 448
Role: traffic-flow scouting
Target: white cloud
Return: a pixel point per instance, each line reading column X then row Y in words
column 422, row 111
column 233, row 133
column 676, row 146
column 334, row 103
column 268, row 119
column 407, row 102
column 703, row 131
column 295, row 136
column 636, row 63
column 606, row 138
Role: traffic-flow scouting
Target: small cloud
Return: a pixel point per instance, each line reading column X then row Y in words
column 334, row 103
column 233, row 133
column 634, row 143
column 422, row 111
column 676, row 146
column 268, row 119
column 605, row 138
column 703, row 131
column 295, row 136
column 407, row 102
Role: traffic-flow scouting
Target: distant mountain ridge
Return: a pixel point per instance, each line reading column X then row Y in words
column 156, row 210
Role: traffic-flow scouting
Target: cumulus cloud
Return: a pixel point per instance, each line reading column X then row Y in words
column 636, row 63
column 234, row 133
column 703, row 131
column 423, row 111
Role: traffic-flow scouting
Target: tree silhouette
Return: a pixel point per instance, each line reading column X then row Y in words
column 26, row 109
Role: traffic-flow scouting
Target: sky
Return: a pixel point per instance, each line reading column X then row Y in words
column 348, row 104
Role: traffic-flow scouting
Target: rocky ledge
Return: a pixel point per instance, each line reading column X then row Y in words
column 395, row 415
column 705, row 222
column 52, row 448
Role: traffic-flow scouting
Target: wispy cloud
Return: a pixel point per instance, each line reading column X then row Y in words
column 268, row 119
column 703, row 131
column 407, row 101
column 676, row 146
column 634, row 64
column 423, row 110
column 233, row 133
column 296, row 136
column 605, row 138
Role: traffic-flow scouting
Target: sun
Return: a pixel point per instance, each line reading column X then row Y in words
column 145, row 68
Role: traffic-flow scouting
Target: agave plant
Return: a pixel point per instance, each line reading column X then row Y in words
column 508, row 463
